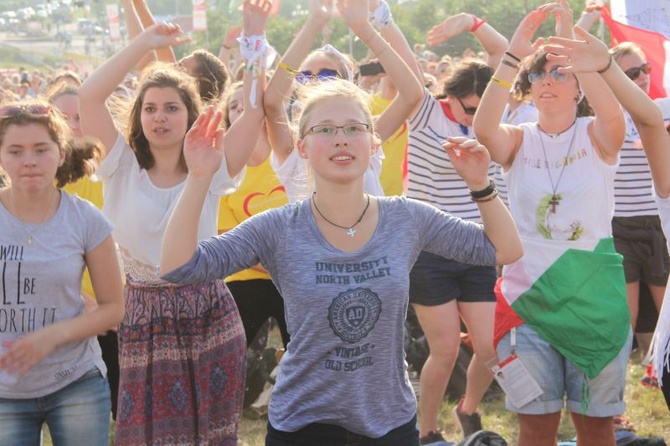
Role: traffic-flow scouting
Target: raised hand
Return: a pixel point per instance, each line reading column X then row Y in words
column 164, row 34
column 355, row 13
column 321, row 11
column 203, row 145
column 587, row 54
column 470, row 159
column 451, row 27
column 564, row 20
column 255, row 15
column 521, row 44
column 230, row 39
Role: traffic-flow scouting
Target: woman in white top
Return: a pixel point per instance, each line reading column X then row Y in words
column 560, row 175
column 588, row 54
column 182, row 349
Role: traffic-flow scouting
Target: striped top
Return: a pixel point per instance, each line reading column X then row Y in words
column 632, row 182
column 432, row 178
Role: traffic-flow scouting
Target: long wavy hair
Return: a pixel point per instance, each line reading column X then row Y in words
column 160, row 77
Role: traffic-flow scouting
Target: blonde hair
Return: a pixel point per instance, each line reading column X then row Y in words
column 625, row 49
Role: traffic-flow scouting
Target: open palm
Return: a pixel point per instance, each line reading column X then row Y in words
column 203, row 145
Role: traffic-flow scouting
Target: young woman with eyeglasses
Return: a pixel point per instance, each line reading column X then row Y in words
column 182, row 348
column 562, row 308
column 51, row 368
column 340, row 259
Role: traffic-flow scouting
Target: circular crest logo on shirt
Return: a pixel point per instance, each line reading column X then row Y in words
column 354, row 313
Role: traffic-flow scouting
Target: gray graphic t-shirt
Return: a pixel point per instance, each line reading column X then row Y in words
column 42, row 267
column 345, row 311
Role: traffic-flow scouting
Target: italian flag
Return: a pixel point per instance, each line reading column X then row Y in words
column 573, row 294
column 655, row 46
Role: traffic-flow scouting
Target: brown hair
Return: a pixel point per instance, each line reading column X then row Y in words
column 161, row 76
column 81, row 154
column 211, row 75
column 625, row 49
column 225, row 102
column 470, row 76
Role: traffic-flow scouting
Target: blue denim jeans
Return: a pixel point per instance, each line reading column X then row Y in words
column 331, row 435
column 77, row 415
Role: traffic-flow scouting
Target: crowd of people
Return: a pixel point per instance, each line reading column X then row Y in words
column 158, row 211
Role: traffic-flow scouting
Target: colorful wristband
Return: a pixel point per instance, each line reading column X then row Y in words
column 477, row 23
column 501, row 82
column 285, row 67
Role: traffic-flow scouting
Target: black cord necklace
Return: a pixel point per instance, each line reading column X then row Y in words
column 350, row 229
column 554, row 187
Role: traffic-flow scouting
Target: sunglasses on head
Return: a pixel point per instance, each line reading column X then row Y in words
column 470, row 111
column 305, row 77
column 536, row 76
column 634, row 73
column 12, row 111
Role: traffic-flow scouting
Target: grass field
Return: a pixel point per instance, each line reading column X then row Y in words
column 645, row 408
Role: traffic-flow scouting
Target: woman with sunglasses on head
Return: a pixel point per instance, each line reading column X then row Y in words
column 182, row 348
column 321, row 65
column 51, row 369
column 340, row 258
column 445, row 291
column 562, row 308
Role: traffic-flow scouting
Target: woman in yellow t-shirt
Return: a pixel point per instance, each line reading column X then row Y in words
column 256, row 296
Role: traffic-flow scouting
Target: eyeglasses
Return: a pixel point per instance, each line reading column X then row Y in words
column 467, row 110
column 326, row 74
column 634, row 73
column 12, row 111
column 538, row 76
column 328, row 131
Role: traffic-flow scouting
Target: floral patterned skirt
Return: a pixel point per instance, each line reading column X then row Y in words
column 182, row 358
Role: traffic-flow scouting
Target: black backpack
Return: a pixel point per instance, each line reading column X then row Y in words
column 483, row 438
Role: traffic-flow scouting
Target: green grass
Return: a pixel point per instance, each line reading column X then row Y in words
column 645, row 408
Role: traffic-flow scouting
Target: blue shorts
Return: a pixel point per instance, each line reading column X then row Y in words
column 561, row 380
column 436, row 280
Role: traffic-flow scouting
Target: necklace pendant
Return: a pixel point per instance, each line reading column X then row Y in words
column 553, row 202
column 351, row 232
